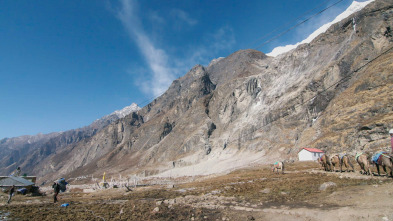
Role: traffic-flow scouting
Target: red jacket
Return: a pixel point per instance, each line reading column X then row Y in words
column 391, row 142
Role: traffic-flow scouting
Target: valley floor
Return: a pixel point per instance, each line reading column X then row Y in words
column 247, row 194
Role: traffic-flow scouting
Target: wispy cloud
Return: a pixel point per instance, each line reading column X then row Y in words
column 184, row 17
column 163, row 67
column 156, row 18
column 223, row 38
column 156, row 58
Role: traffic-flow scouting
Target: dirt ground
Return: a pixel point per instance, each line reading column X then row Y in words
column 247, row 194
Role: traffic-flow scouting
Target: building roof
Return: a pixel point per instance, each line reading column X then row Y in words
column 17, row 181
column 313, row 150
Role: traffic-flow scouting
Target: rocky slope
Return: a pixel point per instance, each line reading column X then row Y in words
column 334, row 94
column 28, row 151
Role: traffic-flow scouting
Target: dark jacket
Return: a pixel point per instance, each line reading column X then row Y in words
column 56, row 187
column 12, row 190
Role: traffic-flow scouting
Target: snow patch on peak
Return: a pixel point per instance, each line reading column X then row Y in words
column 126, row 111
column 215, row 61
column 354, row 7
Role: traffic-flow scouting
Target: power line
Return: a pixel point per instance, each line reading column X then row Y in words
column 334, row 84
column 147, row 101
column 276, row 29
column 150, row 99
column 294, row 26
column 349, row 75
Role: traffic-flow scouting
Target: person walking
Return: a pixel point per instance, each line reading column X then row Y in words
column 56, row 188
column 12, row 190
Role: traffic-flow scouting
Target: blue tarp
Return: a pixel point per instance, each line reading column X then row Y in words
column 376, row 156
column 22, row 191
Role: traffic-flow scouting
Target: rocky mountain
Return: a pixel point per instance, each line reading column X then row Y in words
column 116, row 115
column 334, row 93
column 15, row 149
column 27, row 151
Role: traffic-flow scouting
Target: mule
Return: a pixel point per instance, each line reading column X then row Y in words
column 364, row 164
column 335, row 161
column 384, row 160
column 324, row 160
column 321, row 162
column 345, row 161
column 279, row 165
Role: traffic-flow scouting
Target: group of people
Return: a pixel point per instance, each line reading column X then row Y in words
column 57, row 187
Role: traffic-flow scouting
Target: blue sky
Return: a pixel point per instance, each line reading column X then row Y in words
column 64, row 64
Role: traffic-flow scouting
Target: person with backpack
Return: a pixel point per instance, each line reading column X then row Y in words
column 56, row 189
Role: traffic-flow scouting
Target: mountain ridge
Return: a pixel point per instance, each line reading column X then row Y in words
column 252, row 108
column 25, row 150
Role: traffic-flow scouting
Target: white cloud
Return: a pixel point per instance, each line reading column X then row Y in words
column 184, row 16
column 156, row 18
column 156, row 58
column 223, row 38
column 163, row 68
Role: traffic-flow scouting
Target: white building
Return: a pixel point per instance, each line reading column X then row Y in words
column 309, row 154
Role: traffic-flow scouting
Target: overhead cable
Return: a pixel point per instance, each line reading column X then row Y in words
column 302, row 22
column 276, row 29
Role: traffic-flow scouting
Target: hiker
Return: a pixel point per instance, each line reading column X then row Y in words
column 56, row 188
column 12, row 190
column 391, row 138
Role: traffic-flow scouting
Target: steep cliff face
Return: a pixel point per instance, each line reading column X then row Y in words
column 334, row 94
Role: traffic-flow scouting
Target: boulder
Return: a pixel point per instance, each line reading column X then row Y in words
column 327, row 185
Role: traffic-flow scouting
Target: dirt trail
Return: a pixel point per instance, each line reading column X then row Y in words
column 248, row 194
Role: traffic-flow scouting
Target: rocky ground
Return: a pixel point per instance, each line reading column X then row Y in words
column 304, row 192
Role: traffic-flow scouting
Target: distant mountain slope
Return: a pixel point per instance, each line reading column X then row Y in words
column 28, row 151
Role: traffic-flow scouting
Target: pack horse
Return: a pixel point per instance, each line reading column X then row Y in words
column 279, row 165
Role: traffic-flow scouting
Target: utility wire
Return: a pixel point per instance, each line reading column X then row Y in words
column 150, row 99
column 284, row 25
column 349, row 75
column 292, row 27
column 334, row 84
column 319, row 93
column 147, row 101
